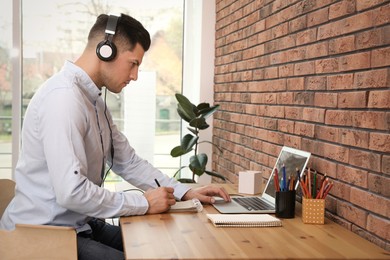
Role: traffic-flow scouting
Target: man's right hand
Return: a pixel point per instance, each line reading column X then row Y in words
column 160, row 199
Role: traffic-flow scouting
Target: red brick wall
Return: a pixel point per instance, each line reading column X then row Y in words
column 314, row 75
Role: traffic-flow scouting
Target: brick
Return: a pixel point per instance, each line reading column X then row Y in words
column 314, row 115
column 323, row 166
column 304, row 129
column 292, row 140
column 304, row 68
column 380, row 57
column 285, row 98
column 327, row 133
column 352, row 176
column 315, row 83
column 286, row 126
column 297, row 83
column 380, row 142
column 355, row 61
column 350, row 24
column 370, row 201
column 297, row 24
column 336, row 152
column 343, row 8
column 340, row 81
column 381, row 15
column 379, row 99
column 379, row 78
column 379, row 226
column 352, row 137
column 304, row 98
column 356, row 99
column 317, row 50
column 379, row 184
column 286, row 70
column 325, row 99
column 326, row 65
column 318, row 17
column 342, row 44
column 296, row 54
column 341, row 190
column 336, row 117
column 352, row 213
column 270, row 73
column 385, row 167
column 306, row 36
column 370, row 119
column 273, row 111
column 373, row 38
column 293, row 113
column 365, row 4
column 366, row 160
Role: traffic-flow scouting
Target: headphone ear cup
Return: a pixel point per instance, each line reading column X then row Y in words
column 106, row 50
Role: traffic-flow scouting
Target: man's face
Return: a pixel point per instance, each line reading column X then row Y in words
column 123, row 69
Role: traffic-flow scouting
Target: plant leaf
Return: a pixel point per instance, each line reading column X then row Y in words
column 216, row 175
column 188, row 142
column 192, row 130
column 184, row 114
column 199, row 123
column 186, row 180
column 209, row 111
column 185, row 106
column 177, row 151
column 198, row 163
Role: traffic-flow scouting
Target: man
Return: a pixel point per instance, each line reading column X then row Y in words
column 69, row 136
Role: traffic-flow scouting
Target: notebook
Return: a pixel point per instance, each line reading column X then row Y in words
column 244, row 220
column 265, row 203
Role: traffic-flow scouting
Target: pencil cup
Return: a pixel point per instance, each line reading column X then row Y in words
column 285, row 204
column 313, row 211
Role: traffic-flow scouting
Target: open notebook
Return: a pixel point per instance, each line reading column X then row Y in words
column 244, row 220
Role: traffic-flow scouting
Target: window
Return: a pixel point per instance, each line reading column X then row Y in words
column 57, row 31
column 5, row 90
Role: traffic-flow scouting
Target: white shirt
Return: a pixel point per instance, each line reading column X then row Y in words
column 58, row 174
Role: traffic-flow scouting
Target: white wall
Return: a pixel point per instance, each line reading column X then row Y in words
column 198, row 65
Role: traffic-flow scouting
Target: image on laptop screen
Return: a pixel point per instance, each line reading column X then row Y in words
column 292, row 159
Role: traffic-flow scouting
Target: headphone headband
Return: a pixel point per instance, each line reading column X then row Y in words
column 111, row 24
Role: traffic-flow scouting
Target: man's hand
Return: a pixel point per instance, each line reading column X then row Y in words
column 160, row 199
column 205, row 194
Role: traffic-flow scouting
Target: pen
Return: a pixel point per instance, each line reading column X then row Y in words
column 156, row 181
column 276, row 180
column 284, row 178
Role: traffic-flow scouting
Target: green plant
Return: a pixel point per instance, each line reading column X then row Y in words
column 196, row 117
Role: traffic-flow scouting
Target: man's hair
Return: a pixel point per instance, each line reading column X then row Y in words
column 128, row 32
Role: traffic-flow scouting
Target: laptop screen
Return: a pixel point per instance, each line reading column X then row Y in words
column 292, row 159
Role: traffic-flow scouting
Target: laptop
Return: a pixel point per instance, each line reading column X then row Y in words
column 292, row 159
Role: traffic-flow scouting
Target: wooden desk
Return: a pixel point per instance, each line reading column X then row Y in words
column 192, row 236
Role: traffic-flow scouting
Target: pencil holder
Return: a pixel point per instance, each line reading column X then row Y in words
column 313, row 211
column 285, row 204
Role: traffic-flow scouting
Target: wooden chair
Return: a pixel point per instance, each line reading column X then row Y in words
column 34, row 241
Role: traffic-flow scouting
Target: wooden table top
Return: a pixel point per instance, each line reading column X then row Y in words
column 193, row 236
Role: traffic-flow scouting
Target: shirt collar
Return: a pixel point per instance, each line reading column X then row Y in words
column 83, row 81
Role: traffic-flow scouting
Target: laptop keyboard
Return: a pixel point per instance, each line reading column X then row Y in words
column 253, row 203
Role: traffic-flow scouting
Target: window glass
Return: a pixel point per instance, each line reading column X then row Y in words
column 5, row 89
column 55, row 31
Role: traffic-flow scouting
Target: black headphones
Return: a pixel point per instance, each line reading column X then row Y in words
column 106, row 49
